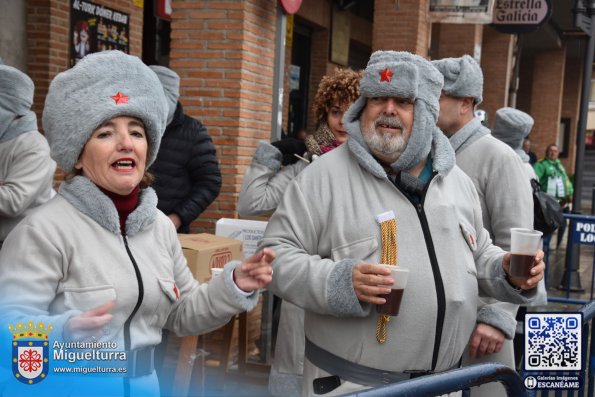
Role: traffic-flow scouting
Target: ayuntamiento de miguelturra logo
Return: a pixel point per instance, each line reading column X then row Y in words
column 30, row 351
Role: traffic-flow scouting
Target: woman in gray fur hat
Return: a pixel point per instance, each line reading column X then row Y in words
column 99, row 262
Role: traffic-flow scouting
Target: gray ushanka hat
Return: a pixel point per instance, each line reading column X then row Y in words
column 171, row 85
column 16, row 90
column 403, row 75
column 16, row 98
column 512, row 126
column 462, row 77
column 100, row 87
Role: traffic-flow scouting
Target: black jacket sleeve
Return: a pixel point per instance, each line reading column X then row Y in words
column 187, row 176
column 204, row 174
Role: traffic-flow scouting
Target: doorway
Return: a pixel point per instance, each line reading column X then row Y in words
column 298, row 97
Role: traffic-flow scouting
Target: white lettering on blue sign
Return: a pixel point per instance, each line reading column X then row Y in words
column 584, row 232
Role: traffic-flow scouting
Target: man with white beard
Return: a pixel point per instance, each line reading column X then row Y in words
column 392, row 194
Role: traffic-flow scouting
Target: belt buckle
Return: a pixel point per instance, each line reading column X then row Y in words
column 132, row 363
column 141, row 362
column 416, row 373
column 386, row 377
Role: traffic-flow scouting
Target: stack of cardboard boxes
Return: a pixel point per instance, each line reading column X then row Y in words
column 235, row 240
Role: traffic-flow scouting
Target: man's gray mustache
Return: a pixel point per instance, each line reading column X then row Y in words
column 392, row 122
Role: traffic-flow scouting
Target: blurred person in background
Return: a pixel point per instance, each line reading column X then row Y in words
column 187, row 175
column 265, row 181
column 262, row 190
column 529, row 152
column 554, row 180
column 26, row 168
column 498, row 174
column 511, row 126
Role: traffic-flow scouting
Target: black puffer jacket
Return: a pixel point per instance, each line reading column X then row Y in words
column 187, row 176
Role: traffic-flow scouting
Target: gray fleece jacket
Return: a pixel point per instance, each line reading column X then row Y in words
column 326, row 224
column 26, row 176
column 265, row 182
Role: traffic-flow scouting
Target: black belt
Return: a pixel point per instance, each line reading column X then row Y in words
column 353, row 372
column 140, row 362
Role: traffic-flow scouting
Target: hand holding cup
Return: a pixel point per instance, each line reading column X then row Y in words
column 374, row 283
column 524, row 264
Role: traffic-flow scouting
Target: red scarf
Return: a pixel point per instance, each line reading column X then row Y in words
column 124, row 204
column 327, row 148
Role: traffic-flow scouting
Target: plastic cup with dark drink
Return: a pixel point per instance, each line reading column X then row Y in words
column 524, row 244
column 393, row 299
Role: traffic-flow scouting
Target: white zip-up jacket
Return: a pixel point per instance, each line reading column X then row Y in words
column 69, row 256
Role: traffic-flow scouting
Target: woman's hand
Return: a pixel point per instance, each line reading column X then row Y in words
column 87, row 326
column 537, row 272
column 255, row 272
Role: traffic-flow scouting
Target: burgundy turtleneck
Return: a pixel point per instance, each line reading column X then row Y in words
column 124, row 204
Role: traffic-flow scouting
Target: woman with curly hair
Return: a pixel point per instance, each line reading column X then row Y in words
column 262, row 191
column 265, row 181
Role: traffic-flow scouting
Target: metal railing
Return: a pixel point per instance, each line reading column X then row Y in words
column 462, row 379
column 450, row 381
column 581, row 228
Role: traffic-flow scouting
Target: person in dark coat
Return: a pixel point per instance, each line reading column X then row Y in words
column 187, row 175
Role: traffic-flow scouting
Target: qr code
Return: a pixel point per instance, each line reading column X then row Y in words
column 553, row 341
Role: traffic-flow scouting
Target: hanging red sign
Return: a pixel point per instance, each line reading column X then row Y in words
column 290, row 6
column 163, row 9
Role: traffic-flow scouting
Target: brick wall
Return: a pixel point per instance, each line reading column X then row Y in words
column 546, row 97
column 526, row 87
column 319, row 66
column 496, row 63
column 286, row 90
column 224, row 54
column 401, row 26
column 571, row 106
column 455, row 40
column 48, row 38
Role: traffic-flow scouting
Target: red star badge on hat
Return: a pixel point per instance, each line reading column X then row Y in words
column 386, row 75
column 120, row 98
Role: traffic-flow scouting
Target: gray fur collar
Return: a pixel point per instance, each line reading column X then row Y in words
column 443, row 155
column 86, row 197
column 471, row 132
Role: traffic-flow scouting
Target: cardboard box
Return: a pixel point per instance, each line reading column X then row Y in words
column 249, row 232
column 204, row 251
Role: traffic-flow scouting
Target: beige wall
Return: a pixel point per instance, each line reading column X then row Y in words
column 13, row 34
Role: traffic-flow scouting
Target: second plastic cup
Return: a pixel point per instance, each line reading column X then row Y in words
column 393, row 300
column 524, row 244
